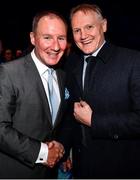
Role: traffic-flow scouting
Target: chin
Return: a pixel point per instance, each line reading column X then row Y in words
column 54, row 63
column 87, row 52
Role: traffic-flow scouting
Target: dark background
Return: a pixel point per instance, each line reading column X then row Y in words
column 16, row 19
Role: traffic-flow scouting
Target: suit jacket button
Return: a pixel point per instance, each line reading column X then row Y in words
column 116, row 136
column 79, row 150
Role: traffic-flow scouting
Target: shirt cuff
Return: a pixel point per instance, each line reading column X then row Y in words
column 43, row 154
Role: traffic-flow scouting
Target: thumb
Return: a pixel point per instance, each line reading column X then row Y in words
column 50, row 145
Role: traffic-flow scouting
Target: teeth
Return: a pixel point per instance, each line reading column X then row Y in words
column 87, row 42
column 53, row 55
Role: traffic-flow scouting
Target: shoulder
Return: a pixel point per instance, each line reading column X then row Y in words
column 72, row 61
column 15, row 64
column 14, row 68
column 124, row 54
column 126, row 51
column 130, row 56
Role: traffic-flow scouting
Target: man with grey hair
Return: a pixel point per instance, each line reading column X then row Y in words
column 105, row 84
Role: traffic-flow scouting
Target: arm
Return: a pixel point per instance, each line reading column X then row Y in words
column 12, row 141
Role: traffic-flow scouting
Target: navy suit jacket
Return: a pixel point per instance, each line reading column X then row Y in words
column 112, row 147
column 25, row 119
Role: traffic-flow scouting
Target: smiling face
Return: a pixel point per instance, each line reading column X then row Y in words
column 88, row 30
column 49, row 39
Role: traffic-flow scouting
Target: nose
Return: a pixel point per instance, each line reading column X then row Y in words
column 83, row 34
column 56, row 46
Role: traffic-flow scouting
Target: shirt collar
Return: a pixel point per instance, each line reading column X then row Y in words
column 40, row 66
column 96, row 52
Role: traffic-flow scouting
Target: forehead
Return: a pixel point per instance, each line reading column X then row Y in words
column 88, row 17
column 51, row 23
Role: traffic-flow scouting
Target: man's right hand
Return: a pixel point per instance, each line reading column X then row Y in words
column 55, row 153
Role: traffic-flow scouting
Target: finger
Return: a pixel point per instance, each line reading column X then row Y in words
column 51, row 162
column 62, row 149
column 83, row 103
column 50, row 145
column 51, row 165
column 69, row 164
column 76, row 104
column 64, row 166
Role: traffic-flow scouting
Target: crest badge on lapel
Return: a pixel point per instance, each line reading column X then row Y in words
column 67, row 94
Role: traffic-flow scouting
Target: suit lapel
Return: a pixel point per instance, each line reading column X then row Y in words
column 78, row 71
column 107, row 52
column 35, row 81
column 61, row 80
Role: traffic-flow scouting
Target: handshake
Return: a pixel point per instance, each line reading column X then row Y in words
column 55, row 153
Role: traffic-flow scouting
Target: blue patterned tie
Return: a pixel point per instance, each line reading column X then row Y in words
column 52, row 95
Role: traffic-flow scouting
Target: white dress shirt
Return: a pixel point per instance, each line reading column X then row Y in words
column 43, row 154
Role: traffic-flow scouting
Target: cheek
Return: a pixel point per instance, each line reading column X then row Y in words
column 76, row 38
column 42, row 44
column 63, row 46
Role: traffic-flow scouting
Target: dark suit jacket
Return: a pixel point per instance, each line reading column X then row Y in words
column 112, row 148
column 25, row 119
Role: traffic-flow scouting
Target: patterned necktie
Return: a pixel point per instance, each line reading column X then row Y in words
column 52, row 95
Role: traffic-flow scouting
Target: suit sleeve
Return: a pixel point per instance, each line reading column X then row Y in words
column 13, row 142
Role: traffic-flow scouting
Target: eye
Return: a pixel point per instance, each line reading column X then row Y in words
column 76, row 31
column 89, row 27
column 62, row 38
column 47, row 37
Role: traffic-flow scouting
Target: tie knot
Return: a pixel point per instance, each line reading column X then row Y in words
column 50, row 71
column 90, row 58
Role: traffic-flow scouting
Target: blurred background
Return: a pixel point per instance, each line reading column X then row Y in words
column 16, row 19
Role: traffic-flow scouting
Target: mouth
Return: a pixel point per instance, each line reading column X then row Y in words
column 53, row 55
column 86, row 42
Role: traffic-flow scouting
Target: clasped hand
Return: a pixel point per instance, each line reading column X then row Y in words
column 55, row 153
column 83, row 112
